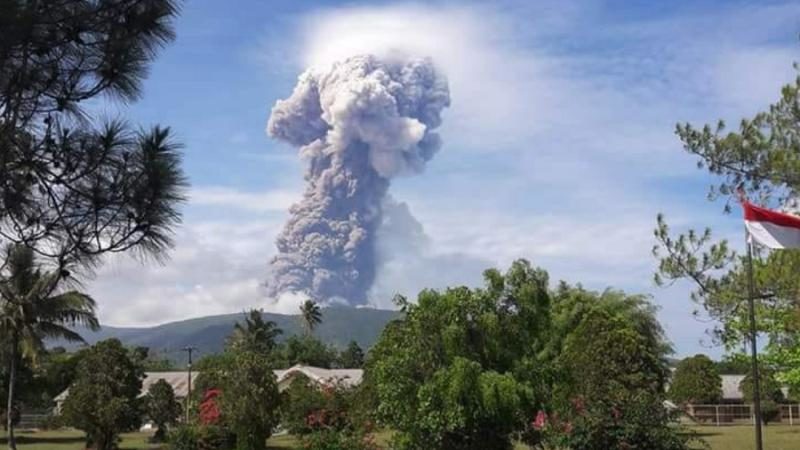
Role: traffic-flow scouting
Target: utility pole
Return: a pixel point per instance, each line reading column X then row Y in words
column 189, row 350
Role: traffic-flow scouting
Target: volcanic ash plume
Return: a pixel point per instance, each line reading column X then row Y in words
column 357, row 124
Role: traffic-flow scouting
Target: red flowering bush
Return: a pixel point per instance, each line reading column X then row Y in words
column 209, row 408
column 194, row 437
column 322, row 415
column 210, row 433
column 330, row 439
column 638, row 421
column 308, row 408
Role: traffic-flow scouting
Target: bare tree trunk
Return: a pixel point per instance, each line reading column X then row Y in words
column 12, row 378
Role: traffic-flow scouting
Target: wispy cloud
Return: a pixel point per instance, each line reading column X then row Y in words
column 228, row 198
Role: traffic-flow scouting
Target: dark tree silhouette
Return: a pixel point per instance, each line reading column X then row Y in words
column 71, row 187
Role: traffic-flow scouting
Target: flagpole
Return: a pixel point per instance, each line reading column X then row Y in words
column 754, row 343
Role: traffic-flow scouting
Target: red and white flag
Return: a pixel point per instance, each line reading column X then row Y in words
column 771, row 229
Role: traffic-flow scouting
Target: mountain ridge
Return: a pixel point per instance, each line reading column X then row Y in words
column 207, row 334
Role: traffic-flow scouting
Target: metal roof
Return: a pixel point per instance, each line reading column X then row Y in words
column 180, row 384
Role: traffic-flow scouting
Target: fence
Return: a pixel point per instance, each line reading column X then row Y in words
column 33, row 419
column 721, row 415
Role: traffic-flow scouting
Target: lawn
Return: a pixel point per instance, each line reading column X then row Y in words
column 777, row 437
column 71, row 440
column 722, row 438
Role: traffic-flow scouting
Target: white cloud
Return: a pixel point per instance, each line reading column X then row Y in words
column 259, row 202
column 489, row 74
column 217, row 267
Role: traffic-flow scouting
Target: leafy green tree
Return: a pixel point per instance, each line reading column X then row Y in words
column 155, row 364
column 38, row 384
column 761, row 158
column 606, row 358
column 305, row 350
column 771, row 388
column 734, row 364
column 103, row 401
column 352, row 357
column 696, row 380
column 771, row 393
column 721, row 284
column 162, row 408
column 250, row 402
column 255, row 334
column 610, row 390
column 610, row 354
column 573, row 304
column 460, row 369
column 311, row 314
column 73, row 189
column 34, row 307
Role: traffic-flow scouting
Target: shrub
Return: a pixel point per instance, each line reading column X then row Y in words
column 162, row 407
column 51, row 422
column 307, row 407
column 189, row 437
column 771, row 394
column 639, row 421
column 215, row 437
column 330, row 439
column 770, row 411
column 184, row 437
column 299, row 402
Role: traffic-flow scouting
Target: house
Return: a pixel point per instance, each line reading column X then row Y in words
column 180, row 380
column 731, row 394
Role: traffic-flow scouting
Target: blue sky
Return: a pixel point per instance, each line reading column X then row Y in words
column 558, row 146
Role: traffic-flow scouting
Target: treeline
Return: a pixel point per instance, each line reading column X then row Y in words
column 515, row 362
column 40, row 381
column 254, row 333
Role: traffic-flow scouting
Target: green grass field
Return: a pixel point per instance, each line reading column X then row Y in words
column 71, row 440
column 722, row 438
column 778, row 437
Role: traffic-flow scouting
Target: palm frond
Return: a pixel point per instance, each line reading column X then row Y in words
column 55, row 331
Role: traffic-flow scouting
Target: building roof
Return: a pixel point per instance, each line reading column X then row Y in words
column 730, row 387
column 180, row 383
column 178, row 380
column 731, row 391
column 345, row 377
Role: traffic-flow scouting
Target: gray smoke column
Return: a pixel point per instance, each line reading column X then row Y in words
column 357, row 124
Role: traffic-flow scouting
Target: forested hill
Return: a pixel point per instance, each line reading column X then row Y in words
column 339, row 326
